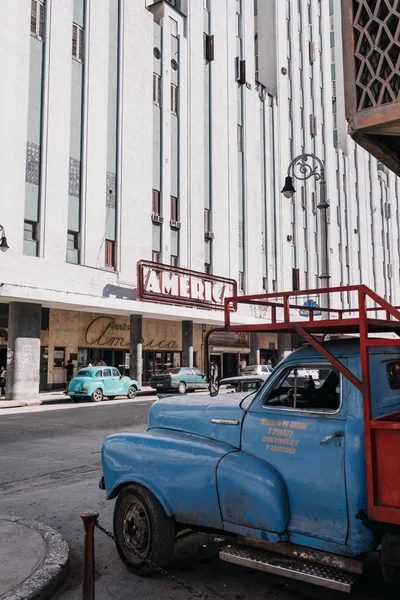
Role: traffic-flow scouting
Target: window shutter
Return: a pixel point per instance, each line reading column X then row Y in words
column 74, row 40
column 295, row 279
column 33, row 16
column 41, row 20
column 242, row 72
column 81, row 44
column 209, row 47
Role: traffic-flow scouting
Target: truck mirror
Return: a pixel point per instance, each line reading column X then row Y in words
column 213, row 389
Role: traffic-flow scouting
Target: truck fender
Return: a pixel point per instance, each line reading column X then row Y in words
column 178, row 468
column 252, row 493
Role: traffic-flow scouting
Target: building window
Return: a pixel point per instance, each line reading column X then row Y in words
column 156, row 207
column 156, row 256
column 174, row 99
column 110, row 253
column 156, row 89
column 30, row 231
column 240, row 138
column 37, row 19
column 73, row 241
column 207, row 220
column 77, row 42
column 174, row 209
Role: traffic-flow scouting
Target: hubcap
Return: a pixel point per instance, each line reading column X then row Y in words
column 97, row 395
column 132, row 392
column 136, row 528
column 182, row 388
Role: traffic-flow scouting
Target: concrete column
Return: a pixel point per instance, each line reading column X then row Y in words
column 187, row 343
column 136, row 349
column 284, row 344
column 23, row 351
column 254, row 349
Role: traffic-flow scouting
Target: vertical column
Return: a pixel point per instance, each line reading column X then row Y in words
column 284, row 343
column 23, row 352
column 136, row 355
column 187, row 343
column 254, row 349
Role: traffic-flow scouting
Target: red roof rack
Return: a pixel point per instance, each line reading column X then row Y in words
column 371, row 314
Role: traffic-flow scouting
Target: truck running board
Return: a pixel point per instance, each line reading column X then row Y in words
column 301, row 570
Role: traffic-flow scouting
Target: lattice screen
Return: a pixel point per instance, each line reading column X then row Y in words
column 377, row 51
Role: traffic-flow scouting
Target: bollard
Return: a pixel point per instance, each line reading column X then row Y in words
column 89, row 522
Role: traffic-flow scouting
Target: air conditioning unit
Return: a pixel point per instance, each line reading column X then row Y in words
column 157, row 218
column 209, row 235
column 175, row 224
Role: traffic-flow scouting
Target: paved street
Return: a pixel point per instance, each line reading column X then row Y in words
column 50, row 465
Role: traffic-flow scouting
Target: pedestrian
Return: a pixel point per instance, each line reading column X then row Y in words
column 101, row 363
column 70, row 372
column 242, row 365
column 3, row 377
column 269, row 362
column 214, row 372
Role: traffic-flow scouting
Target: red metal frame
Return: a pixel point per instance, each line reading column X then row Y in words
column 382, row 443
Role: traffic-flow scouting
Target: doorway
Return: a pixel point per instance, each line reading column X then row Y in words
column 230, row 364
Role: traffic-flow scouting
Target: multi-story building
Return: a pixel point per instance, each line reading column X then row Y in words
column 161, row 132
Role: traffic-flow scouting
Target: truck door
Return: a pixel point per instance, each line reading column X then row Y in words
column 297, row 425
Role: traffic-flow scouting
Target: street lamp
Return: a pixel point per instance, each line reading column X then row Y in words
column 3, row 240
column 300, row 168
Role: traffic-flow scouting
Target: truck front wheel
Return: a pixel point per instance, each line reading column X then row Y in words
column 142, row 530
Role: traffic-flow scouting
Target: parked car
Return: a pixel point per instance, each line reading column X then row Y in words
column 181, row 379
column 257, row 370
column 97, row 382
column 242, row 383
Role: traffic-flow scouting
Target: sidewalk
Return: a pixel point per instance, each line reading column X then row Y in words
column 58, row 397
column 33, row 559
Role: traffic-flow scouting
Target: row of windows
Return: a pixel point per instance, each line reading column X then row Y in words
column 73, row 242
column 157, row 94
column 156, row 206
column 37, row 29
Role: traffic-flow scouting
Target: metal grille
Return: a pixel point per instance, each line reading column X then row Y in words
column 32, row 170
column 74, row 177
column 377, row 51
column 110, row 190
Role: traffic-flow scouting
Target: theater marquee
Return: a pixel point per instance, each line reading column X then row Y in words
column 172, row 285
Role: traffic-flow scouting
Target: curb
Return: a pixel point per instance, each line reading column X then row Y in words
column 52, row 571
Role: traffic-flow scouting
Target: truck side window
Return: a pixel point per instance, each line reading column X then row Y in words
column 313, row 388
column 393, row 373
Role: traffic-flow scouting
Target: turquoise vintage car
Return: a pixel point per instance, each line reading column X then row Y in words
column 97, row 382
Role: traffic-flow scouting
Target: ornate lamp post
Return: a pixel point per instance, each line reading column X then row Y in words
column 3, row 240
column 304, row 167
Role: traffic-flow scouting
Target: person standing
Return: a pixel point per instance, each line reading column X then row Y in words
column 242, row 366
column 3, row 377
column 70, row 372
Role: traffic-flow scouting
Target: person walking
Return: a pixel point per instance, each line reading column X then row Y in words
column 3, row 377
column 70, row 372
column 213, row 387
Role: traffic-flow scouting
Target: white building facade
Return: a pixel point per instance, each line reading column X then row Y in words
column 162, row 131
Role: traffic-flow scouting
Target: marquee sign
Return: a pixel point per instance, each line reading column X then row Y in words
column 172, row 285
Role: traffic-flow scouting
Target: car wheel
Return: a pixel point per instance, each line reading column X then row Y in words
column 142, row 530
column 182, row 387
column 111, row 397
column 97, row 395
column 132, row 392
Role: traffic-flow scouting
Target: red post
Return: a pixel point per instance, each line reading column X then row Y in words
column 89, row 522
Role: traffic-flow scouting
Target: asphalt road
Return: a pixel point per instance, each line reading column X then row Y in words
column 50, row 467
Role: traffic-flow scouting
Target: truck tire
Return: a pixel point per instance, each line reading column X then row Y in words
column 390, row 563
column 142, row 530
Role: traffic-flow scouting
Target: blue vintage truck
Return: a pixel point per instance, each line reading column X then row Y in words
column 303, row 473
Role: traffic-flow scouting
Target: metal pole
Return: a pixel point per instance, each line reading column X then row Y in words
column 323, row 229
column 89, row 522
